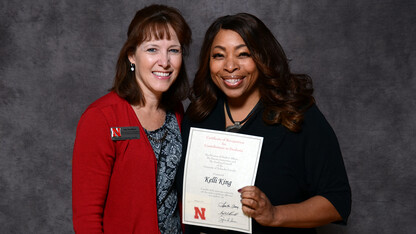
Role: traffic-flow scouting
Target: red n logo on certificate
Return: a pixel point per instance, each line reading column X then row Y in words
column 115, row 132
column 199, row 213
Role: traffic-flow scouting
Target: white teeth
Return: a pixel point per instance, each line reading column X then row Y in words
column 232, row 81
column 161, row 73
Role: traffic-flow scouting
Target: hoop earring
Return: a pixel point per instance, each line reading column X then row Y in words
column 132, row 66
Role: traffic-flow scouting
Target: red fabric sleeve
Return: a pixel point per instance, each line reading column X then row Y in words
column 93, row 159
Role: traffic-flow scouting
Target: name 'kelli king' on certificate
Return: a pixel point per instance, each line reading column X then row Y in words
column 217, row 164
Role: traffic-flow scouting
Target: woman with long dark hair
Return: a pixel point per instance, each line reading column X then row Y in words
column 244, row 85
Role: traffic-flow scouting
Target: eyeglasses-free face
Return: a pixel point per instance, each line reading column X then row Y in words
column 157, row 63
column 232, row 68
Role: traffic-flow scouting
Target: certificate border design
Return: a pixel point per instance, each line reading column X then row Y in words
column 248, row 229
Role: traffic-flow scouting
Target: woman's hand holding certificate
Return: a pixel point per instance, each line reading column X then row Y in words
column 217, row 165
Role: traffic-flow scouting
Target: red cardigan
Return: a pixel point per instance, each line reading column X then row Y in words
column 113, row 182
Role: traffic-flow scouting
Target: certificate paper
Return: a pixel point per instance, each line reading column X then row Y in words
column 217, row 165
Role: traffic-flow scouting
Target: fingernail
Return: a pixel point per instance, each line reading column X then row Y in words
column 239, row 190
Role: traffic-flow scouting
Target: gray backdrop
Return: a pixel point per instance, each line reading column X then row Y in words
column 56, row 57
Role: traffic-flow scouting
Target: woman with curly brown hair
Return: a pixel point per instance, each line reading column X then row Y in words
column 244, row 85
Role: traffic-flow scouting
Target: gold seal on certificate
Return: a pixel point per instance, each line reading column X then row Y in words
column 217, row 164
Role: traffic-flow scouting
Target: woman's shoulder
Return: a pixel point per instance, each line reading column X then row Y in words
column 109, row 99
column 108, row 107
column 315, row 121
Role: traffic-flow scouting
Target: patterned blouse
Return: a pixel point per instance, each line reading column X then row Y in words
column 167, row 145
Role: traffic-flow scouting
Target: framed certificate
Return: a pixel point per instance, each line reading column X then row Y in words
column 217, row 165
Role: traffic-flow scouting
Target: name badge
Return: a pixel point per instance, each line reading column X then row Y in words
column 124, row 133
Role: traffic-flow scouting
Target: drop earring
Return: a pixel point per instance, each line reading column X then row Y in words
column 132, row 66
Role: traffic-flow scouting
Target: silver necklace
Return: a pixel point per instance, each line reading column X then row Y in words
column 237, row 124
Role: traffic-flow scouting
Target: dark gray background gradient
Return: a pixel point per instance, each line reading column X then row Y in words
column 56, row 57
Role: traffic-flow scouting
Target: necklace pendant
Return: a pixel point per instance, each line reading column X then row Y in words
column 233, row 128
column 237, row 124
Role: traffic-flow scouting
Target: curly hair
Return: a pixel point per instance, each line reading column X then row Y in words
column 285, row 96
column 152, row 22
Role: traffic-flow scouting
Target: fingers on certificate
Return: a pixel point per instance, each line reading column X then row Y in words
column 257, row 205
column 216, row 164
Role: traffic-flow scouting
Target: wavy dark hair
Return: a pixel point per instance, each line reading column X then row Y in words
column 285, row 96
column 152, row 22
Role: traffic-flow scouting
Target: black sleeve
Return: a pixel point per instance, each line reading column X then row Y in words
column 324, row 164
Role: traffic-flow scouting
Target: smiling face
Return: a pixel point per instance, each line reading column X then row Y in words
column 158, row 63
column 233, row 70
